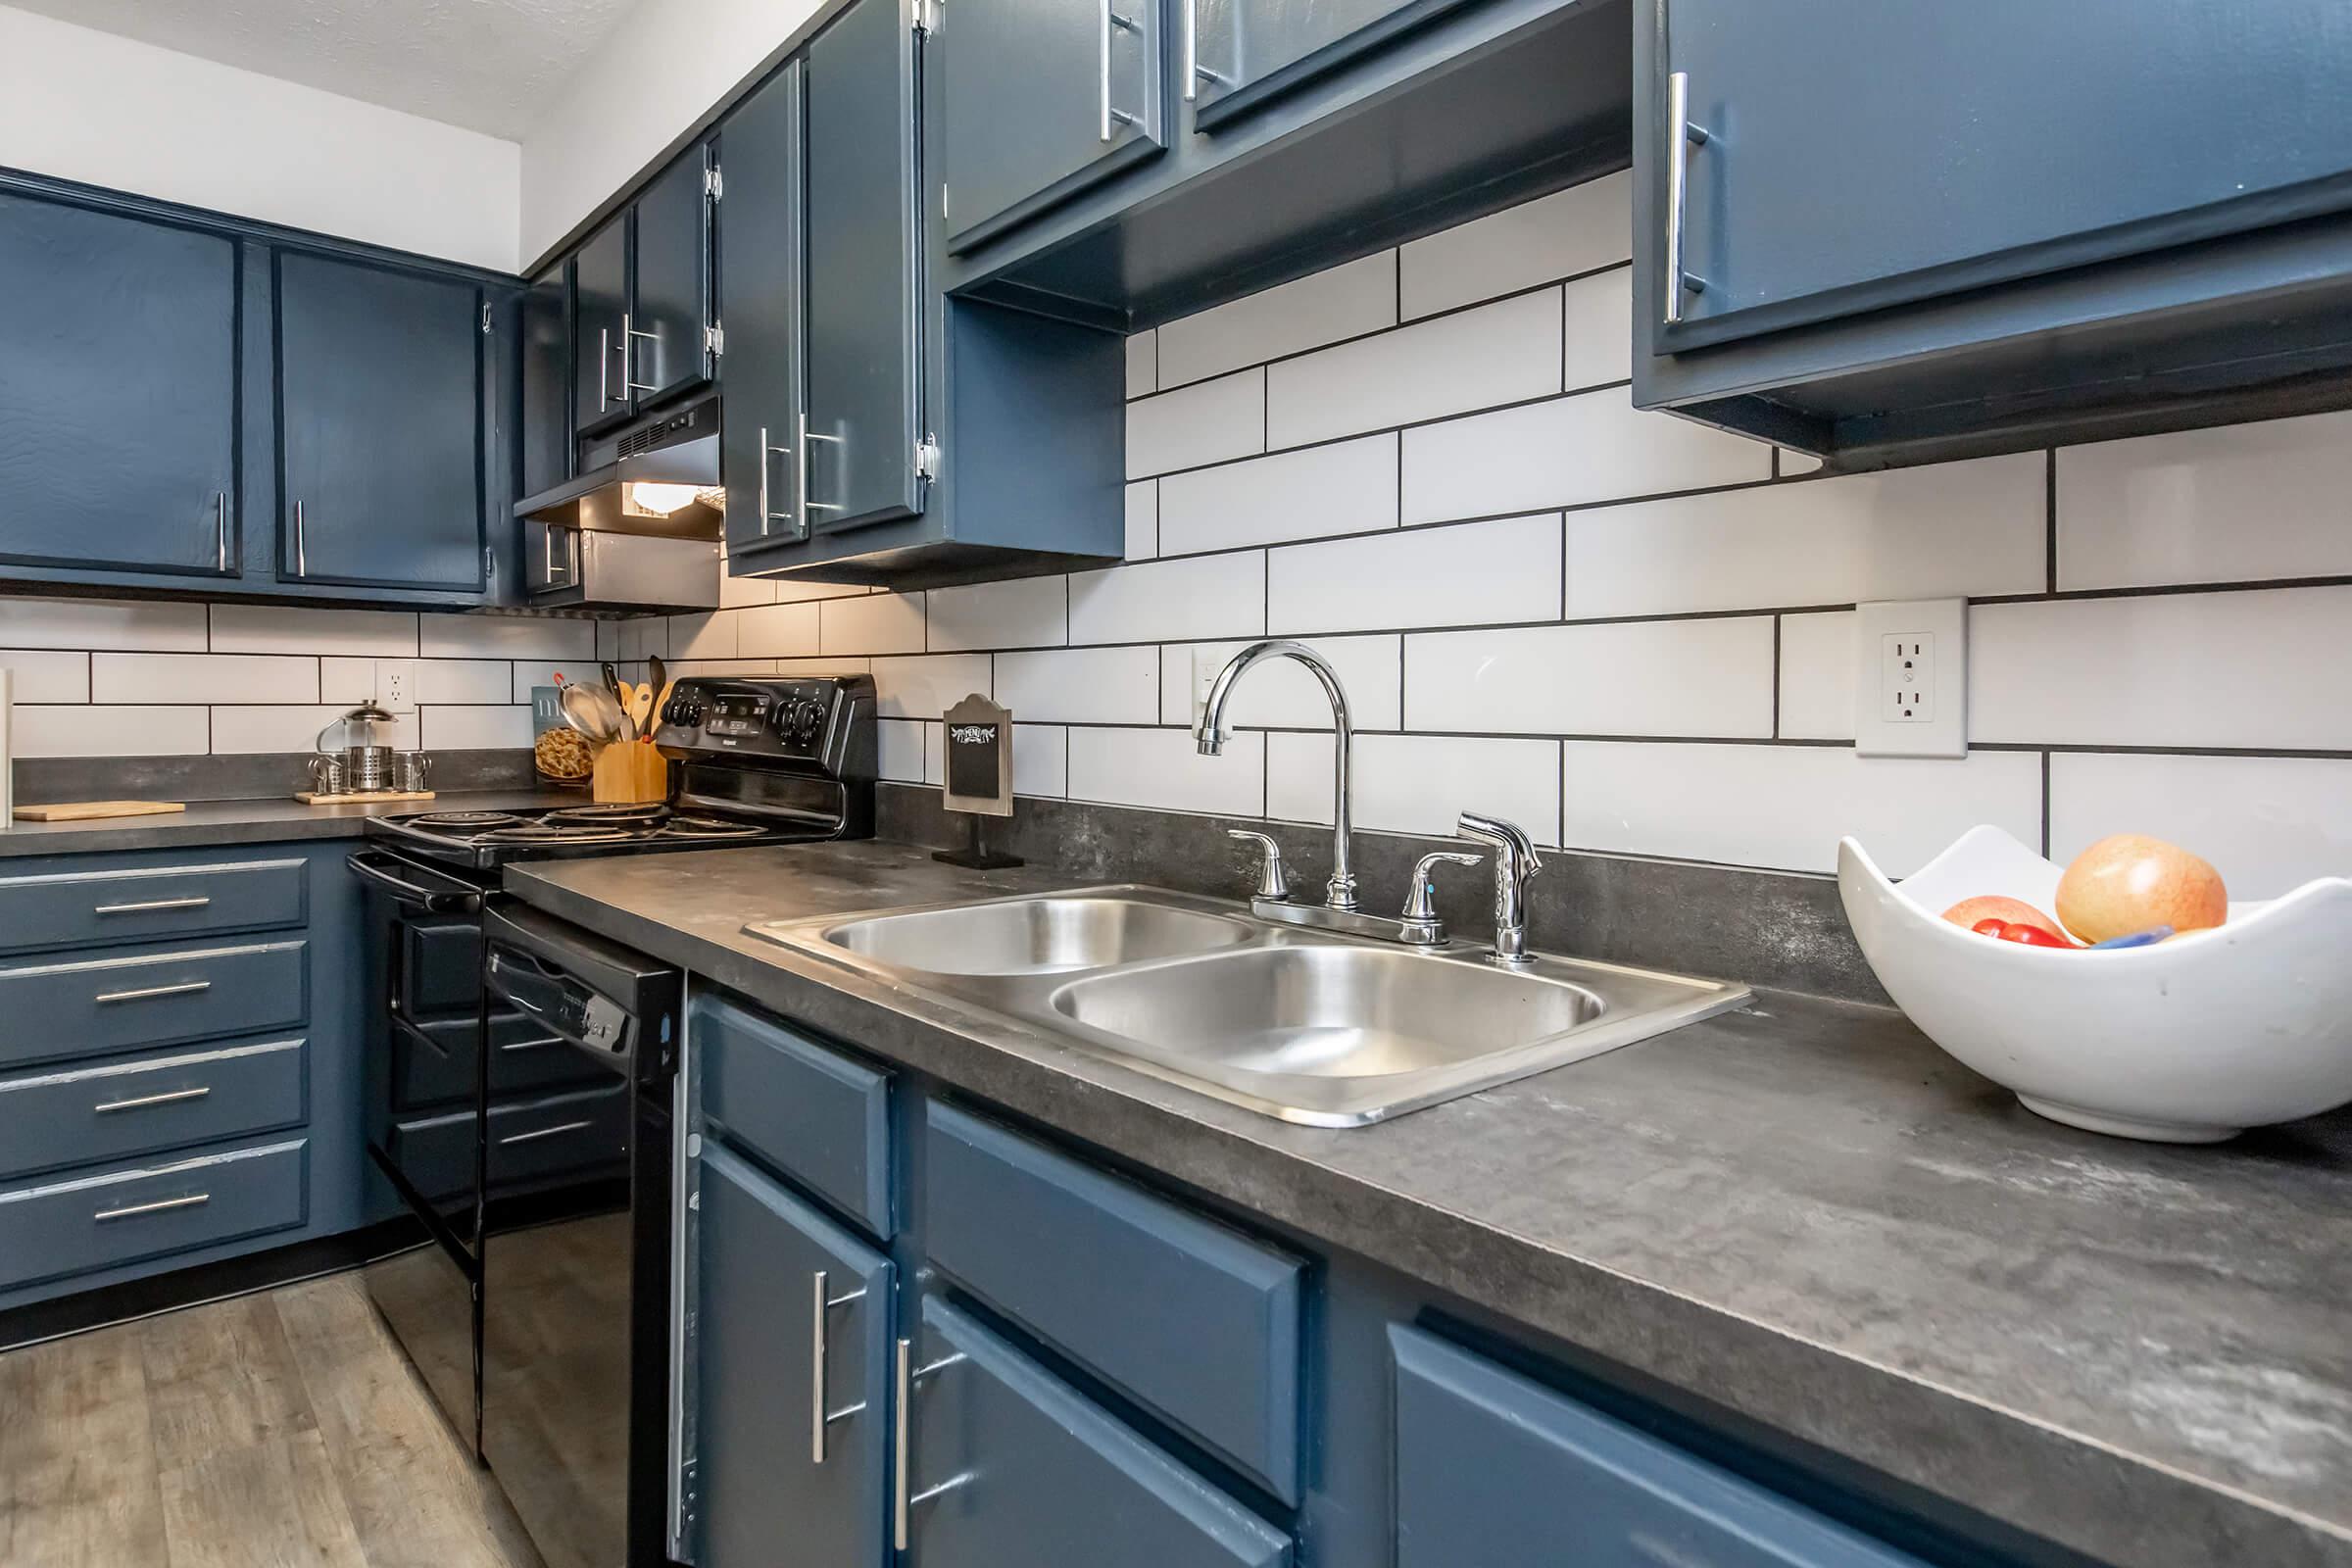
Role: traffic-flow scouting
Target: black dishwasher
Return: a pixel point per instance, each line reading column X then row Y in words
column 576, row 1257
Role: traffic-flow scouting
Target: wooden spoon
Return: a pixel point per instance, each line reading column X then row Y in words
column 641, row 710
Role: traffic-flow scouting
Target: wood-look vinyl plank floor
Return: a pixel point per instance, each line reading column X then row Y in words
column 281, row 1429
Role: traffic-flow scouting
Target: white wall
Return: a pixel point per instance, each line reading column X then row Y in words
column 659, row 71
column 93, row 106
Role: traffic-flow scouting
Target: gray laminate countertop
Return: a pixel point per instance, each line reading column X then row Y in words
column 273, row 820
column 1802, row 1212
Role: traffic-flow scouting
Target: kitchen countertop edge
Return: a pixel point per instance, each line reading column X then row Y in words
column 270, row 820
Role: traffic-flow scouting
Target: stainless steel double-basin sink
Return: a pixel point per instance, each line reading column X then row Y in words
column 1312, row 1027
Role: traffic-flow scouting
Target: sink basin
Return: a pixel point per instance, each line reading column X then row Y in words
column 1050, row 935
column 1328, row 1011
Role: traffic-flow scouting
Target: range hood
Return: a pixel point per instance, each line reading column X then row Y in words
column 638, row 527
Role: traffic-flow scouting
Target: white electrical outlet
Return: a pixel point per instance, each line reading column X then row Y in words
column 1911, row 678
column 1207, row 663
column 396, row 685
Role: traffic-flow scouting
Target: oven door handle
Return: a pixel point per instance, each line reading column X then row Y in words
column 372, row 865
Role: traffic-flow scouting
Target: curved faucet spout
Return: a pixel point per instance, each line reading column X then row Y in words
column 1211, row 734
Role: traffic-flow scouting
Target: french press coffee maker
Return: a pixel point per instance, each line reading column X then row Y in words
column 355, row 753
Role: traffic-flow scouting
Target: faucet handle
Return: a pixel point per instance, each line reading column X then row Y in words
column 1271, row 883
column 1417, row 898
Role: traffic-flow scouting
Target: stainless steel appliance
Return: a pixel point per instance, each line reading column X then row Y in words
column 639, row 526
column 359, row 743
column 479, row 1111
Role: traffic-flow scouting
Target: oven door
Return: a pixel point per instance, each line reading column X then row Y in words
column 575, row 1228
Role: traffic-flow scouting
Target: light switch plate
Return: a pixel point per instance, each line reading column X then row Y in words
column 1911, row 678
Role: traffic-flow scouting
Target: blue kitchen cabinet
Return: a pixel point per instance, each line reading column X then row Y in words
column 642, row 298
column 760, row 266
column 545, row 368
column 1893, row 233
column 118, row 395
column 382, row 426
column 793, row 1363
column 1242, row 54
column 601, row 325
column 1010, row 1467
column 1047, row 99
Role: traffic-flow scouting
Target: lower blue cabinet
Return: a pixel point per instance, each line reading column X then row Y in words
column 1010, row 1468
column 793, row 1370
column 1494, row 1470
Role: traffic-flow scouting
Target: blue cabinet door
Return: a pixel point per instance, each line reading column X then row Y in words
column 1496, row 1471
column 1240, row 53
column 118, row 393
column 759, row 282
column 1012, row 1468
column 601, row 304
column 1046, row 100
column 864, row 343
column 669, row 351
column 380, row 427
column 546, row 370
column 1861, row 154
column 792, row 1405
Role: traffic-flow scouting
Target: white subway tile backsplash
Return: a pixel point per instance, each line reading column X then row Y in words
column 1343, row 487
column 1479, row 572
column 1161, row 767
column 1566, row 451
column 794, row 590
column 505, row 637
column 297, row 629
column 1420, row 783
column 1702, row 678
column 1143, row 519
column 1081, row 685
column 1597, row 341
column 47, row 675
column 2253, row 668
column 823, row 666
column 708, row 635
column 82, row 731
column 1795, row 463
column 1956, row 531
column 465, row 680
column 1281, row 691
column 1499, row 352
column 1143, row 363
column 86, row 623
column 345, row 679
column 243, row 730
column 776, row 631
column 2269, row 824
column 475, row 729
column 1339, row 301
column 203, row 678
column 1208, row 421
column 642, row 636
column 1575, row 230
column 882, row 623
column 1165, row 601
column 900, row 743
column 1785, row 806
column 528, row 675
column 1025, row 612
column 2241, row 503
column 925, row 686
column 1817, row 676
column 736, row 593
column 1041, row 759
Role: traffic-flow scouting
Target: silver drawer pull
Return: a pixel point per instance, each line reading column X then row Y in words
column 820, row 1418
column 186, row 988
column 530, row 1045
column 160, row 1206
column 905, row 1498
column 152, row 905
column 174, row 1098
column 544, row 1131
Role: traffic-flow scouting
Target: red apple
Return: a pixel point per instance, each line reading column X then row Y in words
column 2010, row 912
column 2131, row 882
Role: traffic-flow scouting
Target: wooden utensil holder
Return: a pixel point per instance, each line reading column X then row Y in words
column 628, row 772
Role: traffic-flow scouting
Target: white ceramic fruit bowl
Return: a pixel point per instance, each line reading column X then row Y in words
column 2189, row 1041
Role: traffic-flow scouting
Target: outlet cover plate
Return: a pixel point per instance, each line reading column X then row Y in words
column 1911, row 678
column 396, row 684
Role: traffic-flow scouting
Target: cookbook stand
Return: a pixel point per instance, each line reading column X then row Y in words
column 979, row 779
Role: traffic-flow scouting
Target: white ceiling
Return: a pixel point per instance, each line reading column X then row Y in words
column 486, row 65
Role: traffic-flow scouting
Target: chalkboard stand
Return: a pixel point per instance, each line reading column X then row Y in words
column 975, row 854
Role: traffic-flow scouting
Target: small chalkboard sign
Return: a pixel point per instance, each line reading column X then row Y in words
column 979, row 771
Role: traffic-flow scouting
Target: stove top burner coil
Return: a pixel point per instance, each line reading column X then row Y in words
column 644, row 814
column 464, row 820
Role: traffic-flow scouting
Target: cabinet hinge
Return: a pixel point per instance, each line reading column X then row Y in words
column 926, row 458
column 714, row 186
column 715, row 339
column 485, row 319
column 928, row 15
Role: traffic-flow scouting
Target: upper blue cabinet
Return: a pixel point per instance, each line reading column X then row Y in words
column 642, row 318
column 1240, row 53
column 1888, row 233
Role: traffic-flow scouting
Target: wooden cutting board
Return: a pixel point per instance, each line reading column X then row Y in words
column 310, row 798
column 86, row 811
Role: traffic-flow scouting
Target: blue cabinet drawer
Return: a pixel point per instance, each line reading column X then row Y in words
column 85, row 1115
column 87, row 1008
column 1494, row 1470
column 1017, row 1467
column 808, row 1110
column 121, row 1216
column 1196, row 1321
column 103, row 908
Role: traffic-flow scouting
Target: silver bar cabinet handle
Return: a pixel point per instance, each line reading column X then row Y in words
column 603, row 367
column 151, row 905
column 906, row 1497
column 1681, row 137
column 808, row 506
column 188, row 988
column 537, row 1134
column 1110, row 20
column 302, row 546
column 768, row 514
column 192, row 1201
column 1192, row 50
column 141, row 1103
column 628, row 377
column 820, row 1417
column 220, row 530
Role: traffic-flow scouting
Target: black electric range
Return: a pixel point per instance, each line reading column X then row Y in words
column 488, row 1115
